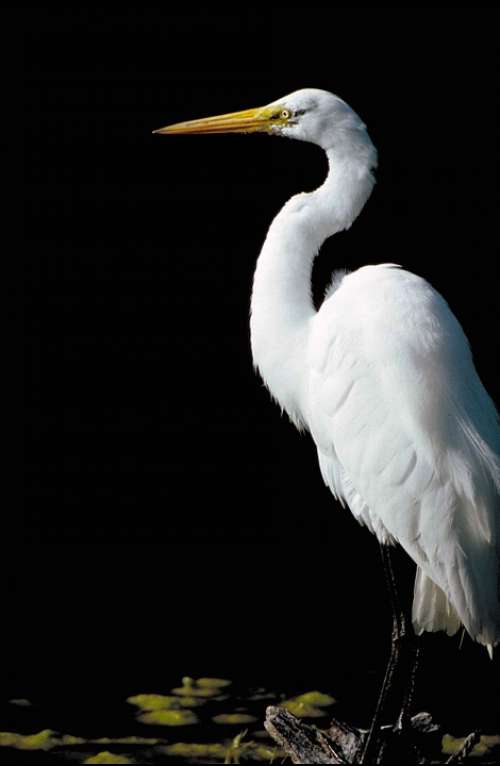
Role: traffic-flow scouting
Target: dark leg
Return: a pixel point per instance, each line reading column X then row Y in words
column 409, row 647
column 403, row 650
column 413, row 662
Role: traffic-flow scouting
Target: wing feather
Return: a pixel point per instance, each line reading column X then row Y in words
column 409, row 438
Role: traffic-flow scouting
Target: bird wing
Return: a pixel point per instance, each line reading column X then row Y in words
column 406, row 433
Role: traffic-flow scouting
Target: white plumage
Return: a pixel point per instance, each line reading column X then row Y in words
column 403, row 427
column 382, row 377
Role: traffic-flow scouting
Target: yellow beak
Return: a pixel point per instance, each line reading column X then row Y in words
column 261, row 119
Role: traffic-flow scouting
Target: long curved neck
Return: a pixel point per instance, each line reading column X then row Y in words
column 282, row 306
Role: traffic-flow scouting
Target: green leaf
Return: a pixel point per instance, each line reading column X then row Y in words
column 106, row 757
column 163, row 702
column 168, row 718
column 317, row 699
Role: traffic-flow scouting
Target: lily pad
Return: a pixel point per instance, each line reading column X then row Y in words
column 48, row 739
column 201, row 687
column 43, row 740
column 106, row 757
column 163, row 702
column 168, row 717
column 302, row 710
column 195, row 691
column 234, row 718
column 317, row 699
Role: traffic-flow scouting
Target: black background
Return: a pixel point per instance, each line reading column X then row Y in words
column 162, row 486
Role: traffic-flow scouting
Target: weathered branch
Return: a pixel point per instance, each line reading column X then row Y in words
column 305, row 743
column 342, row 744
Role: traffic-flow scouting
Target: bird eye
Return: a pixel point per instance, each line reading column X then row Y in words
column 285, row 114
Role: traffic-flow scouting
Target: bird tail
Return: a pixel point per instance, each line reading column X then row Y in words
column 431, row 608
column 433, row 611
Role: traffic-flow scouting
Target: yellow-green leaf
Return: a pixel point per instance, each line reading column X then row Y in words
column 301, row 710
column 196, row 691
column 163, row 702
column 317, row 699
column 44, row 740
column 106, row 757
column 168, row 717
column 200, row 687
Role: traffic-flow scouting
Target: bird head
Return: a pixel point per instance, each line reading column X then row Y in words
column 316, row 116
column 309, row 114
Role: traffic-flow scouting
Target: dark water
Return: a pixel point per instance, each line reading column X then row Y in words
column 95, row 706
column 93, row 714
column 85, row 635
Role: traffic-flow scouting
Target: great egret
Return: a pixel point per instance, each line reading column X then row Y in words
column 381, row 376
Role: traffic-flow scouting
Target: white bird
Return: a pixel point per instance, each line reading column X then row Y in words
column 381, row 376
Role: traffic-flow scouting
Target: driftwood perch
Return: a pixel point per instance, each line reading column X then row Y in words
column 342, row 744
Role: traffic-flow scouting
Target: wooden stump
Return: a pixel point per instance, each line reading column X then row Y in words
column 343, row 744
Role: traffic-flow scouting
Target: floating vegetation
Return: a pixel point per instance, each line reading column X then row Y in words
column 43, row 740
column 234, row 718
column 168, row 717
column 487, row 744
column 48, row 739
column 163, row 702
column 201, row 687
column 318, row 699
column 199, row 704
column 106, row 757
column 228, row 752
column 301, row 710
column 308, row 705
